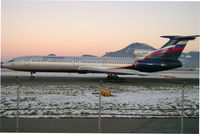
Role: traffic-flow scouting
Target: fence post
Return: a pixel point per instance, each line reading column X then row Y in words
column 17, row 129
column 99, row 120
column 182, row 107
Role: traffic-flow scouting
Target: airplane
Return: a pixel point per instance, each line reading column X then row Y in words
column 143, row 63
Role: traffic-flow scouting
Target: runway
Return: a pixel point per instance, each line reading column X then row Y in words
column 45, row 80
column 189, row 77
column 76, row 125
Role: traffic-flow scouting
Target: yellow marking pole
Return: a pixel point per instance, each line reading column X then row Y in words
column 105, row 92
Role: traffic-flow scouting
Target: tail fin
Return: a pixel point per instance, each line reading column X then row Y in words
column 172, row 49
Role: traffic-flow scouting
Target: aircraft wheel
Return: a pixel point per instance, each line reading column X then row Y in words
column 109, row 77
column 116, row 77
column 32, row 77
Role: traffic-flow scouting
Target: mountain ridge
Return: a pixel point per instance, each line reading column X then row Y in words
column 128, row 50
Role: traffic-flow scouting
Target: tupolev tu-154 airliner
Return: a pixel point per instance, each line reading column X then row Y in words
column 142, row 63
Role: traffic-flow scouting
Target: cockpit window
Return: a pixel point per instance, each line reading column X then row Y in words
column 11, row 60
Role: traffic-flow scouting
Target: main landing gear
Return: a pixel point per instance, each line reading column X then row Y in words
column 32, row 77
column 112, row 77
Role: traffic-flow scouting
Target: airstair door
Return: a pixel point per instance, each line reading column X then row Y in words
column 27, row 61
column 104, row 63
column 76, row 62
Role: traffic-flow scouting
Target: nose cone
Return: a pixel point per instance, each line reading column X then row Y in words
column 6, row 65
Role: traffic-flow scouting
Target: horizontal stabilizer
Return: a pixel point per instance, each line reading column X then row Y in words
column 180, row 38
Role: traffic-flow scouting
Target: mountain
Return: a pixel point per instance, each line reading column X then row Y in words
column 190, row 59
column 87, row 55
column 128, row 51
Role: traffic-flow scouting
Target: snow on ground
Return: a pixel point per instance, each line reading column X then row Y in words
column 81, row 100
column 60, row 101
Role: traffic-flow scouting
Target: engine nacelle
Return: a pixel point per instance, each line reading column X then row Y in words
column 141, row 53
column 154, row 65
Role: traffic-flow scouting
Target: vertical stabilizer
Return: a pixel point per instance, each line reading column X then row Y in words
column 172, row 49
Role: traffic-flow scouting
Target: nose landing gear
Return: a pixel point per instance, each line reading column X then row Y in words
column 32, row 77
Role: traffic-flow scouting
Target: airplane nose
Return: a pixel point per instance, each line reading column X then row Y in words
column 5, row 65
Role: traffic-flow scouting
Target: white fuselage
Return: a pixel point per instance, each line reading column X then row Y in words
column 65, row 63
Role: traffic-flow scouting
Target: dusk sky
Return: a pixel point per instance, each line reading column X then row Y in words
column 74, row 28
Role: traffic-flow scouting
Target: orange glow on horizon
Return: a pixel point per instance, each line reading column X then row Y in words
column 68, row 28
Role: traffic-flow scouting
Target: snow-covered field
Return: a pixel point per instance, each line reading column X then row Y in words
column 82, row 100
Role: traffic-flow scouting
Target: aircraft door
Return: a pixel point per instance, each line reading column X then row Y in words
column 104, row 63
column 27, row 61
column 76, row 62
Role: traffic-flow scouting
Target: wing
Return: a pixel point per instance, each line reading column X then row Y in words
column 113, row 71
column 121, row 72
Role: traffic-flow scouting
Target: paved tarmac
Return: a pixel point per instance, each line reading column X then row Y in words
column 46, row 80
column 77, row 125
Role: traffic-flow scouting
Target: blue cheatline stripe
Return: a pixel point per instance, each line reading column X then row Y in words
column 181, row 45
